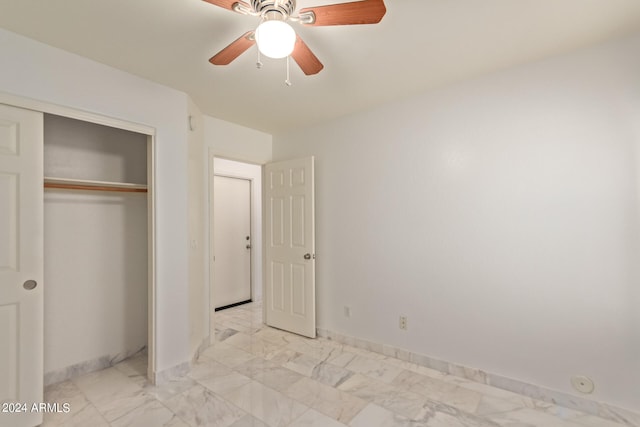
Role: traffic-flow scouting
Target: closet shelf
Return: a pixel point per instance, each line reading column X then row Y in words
column 83, row 184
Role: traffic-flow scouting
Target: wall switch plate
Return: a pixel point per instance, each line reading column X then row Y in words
column 347, row 311
column 403, row 323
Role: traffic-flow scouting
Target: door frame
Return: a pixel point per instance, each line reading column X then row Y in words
column 72, row 113
column 257, row 230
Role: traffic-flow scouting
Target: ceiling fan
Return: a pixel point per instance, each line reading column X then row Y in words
column 276, row 38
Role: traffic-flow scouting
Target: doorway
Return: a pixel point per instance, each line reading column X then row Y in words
column 232, row 228
column 289, row 282
column 236, row 222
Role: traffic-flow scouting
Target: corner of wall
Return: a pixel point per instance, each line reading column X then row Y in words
column 198, row 284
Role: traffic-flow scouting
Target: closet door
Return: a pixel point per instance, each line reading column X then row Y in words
column 21, row 265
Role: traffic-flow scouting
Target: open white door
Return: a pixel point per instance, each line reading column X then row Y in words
column 290, row 289
column 21, row 264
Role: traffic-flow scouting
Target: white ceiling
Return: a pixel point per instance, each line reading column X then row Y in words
column 419, row 44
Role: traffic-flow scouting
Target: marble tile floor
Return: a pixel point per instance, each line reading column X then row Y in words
column 256, row 376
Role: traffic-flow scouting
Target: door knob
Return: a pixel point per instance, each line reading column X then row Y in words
column 30, row 285
column 307, row 256
column 248, row 246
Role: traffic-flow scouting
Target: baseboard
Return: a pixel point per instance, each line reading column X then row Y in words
column 87, row 366
column 171, row 374
column 206, row 342
column 599, row 409
column 178, row 371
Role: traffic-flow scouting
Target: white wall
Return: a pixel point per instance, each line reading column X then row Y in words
column 501, row 215
column 81, row 150
column 95, row 304
column 237, row 142
column 33, row 70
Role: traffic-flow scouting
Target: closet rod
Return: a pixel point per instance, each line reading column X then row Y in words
column 93, row 187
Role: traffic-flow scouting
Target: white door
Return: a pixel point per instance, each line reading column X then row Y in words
column 290, row 289
column 21, row 264
column 232, row 231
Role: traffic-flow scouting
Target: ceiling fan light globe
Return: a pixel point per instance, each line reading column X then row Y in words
column 275, row 39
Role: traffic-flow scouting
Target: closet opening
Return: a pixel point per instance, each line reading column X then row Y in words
column 98, row 247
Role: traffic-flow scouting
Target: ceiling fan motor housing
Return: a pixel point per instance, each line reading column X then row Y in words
column 284, row 7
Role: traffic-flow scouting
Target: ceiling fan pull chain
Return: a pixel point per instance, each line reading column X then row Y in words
column 259, row 63
column 288, row 81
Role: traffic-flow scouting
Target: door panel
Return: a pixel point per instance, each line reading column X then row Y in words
column 277, row 286
column 290, row 276
column 298, row 306
column 232, row 226
column 21, row 260
column 8, row 137
column 277, row 222
column 9, row 222
column 9, row 352
column 298, row 204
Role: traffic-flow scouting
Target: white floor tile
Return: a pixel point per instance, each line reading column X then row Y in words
column 256, row 376
column 201, row 407
column 268, row 405
column 313, row 418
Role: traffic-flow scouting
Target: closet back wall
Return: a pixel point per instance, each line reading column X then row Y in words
column 95, row 249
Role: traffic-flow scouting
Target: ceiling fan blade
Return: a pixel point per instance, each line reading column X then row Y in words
column 226, row 4
column 306, row 60
column 235, row 49
column 357, row 12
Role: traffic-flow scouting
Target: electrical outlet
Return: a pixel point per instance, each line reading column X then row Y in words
column 347, row 311
column 403, row 323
